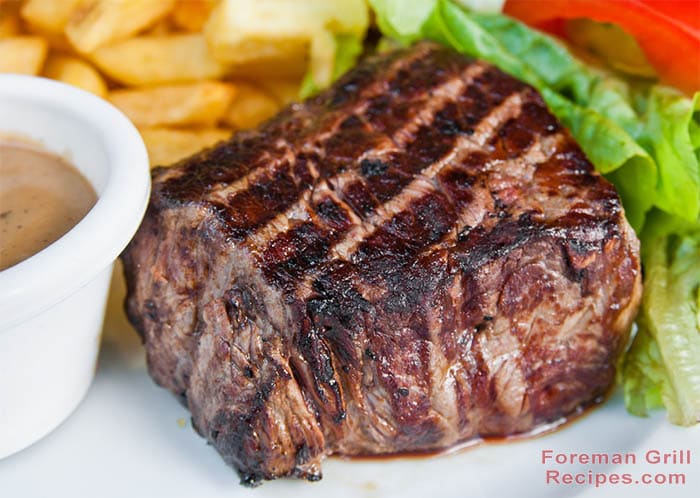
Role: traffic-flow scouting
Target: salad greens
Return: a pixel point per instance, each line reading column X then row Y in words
column 662, row 367
column 347, row 49
column 645, row 139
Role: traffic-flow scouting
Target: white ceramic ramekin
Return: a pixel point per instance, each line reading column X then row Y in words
column 52, row 304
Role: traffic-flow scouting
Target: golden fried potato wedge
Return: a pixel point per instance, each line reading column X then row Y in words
column 201, row 103
column 57, row 41
column 283, row 89
column 9, row 21
column 241, row 30
column 282, row 34
column 250, row 107
column 256, row 38
column 76, row 72
column 191, row 15
column 98, row 22
column 166, row 145
column 50, row 16
column 290, row 63
column 163, row 27
column 239, row 50
column 22, row 54
column 157, row 60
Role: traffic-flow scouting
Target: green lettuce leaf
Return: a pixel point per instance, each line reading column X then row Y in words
column 663, row 365
column 670, row 134
column 644, row 379
column 399, row 22
column 348, row 48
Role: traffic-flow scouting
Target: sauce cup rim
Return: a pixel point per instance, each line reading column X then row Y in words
column 66, row 265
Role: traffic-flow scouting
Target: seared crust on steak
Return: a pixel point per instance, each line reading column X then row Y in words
column 418, row 257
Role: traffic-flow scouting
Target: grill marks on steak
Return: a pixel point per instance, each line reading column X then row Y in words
column 343, row 162
column 413, row 183
column 415, row 258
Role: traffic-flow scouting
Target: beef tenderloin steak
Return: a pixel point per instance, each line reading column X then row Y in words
column 418, row 257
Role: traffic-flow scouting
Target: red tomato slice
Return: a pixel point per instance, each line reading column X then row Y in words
column 667, row 30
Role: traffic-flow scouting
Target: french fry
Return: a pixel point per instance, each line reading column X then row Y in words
column 323, row 49
column 161, row 28
column 191, row 15
column 9, row 21
column 99, row 22
column 166, row 146
column 250, row 107
column 76, row 72
column 57, row 41
column 202, row 103
column 258, row 51
column 284, row 90
column 50, row 16
column 258, row 34
column 160, row 54
column 156, row 60
column 241, row 30
column 288, row 64
column 22, row 54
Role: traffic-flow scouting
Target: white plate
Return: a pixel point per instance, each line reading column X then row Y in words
column 130, row 438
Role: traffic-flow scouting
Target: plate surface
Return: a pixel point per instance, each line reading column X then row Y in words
column 132, row 438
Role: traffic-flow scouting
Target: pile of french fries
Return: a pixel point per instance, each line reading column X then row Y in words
column 186, row 72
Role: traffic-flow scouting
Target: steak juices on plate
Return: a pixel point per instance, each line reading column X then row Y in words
column 418, row 257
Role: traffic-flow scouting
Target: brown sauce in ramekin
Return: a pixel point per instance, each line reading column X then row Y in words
column 42, row 196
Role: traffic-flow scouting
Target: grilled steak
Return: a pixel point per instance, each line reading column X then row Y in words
column 418, row 257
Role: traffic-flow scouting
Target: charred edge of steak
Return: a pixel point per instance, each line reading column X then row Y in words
column 418, row 257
